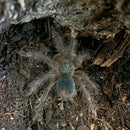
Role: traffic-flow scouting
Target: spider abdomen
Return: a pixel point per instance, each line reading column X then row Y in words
column 66, row 86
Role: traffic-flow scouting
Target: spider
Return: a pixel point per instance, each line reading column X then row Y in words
column 65, row 72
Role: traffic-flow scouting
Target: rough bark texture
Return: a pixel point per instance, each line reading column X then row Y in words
column 99, row 18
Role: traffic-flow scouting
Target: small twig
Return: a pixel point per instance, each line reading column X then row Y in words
column 122, row 119
column 30, row 102
column 11, row 113
column 49, row 28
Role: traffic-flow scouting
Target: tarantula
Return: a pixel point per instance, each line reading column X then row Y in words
column 64, row 72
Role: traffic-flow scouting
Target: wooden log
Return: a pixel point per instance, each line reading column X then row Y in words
column 111, row 52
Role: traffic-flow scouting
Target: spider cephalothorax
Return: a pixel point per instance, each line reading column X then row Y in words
column 64, row 72
column 66, row 67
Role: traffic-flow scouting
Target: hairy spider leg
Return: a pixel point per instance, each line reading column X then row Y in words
column 83, row 82
column 42, row 100
column 38, row 82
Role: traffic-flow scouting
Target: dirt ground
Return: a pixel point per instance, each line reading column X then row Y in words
column 16, row 110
